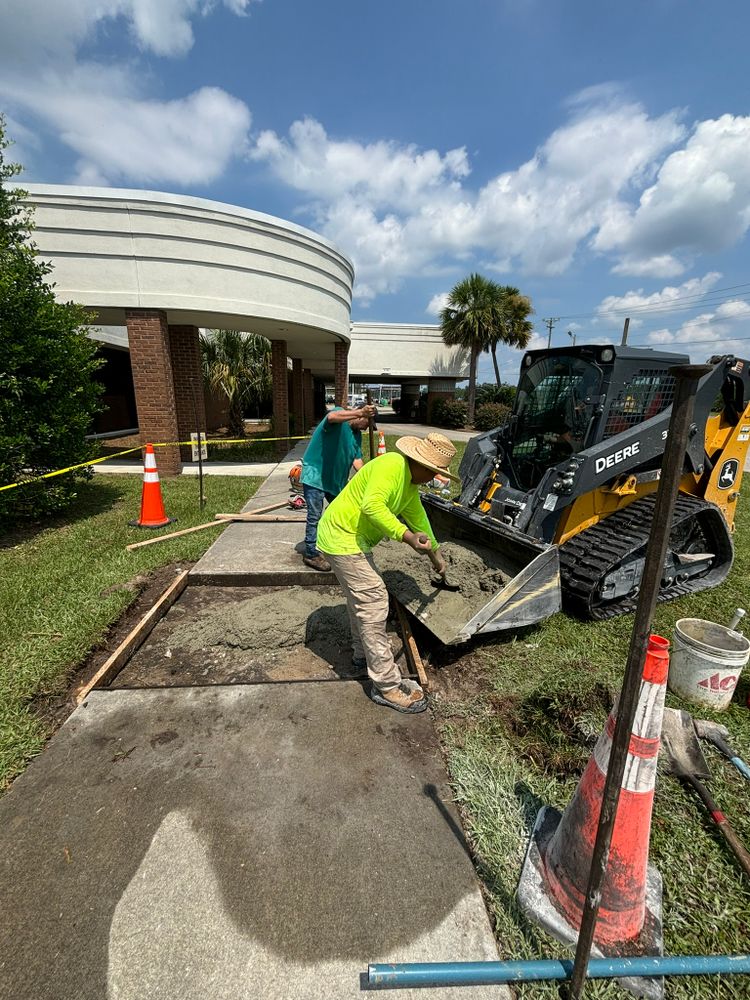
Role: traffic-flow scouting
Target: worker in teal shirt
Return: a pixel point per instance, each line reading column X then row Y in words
column 336, row 446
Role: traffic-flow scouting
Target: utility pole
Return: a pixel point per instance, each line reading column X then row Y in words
column 550, row 323
column 625, row 332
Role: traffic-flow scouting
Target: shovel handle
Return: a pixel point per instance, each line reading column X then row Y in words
column 727, row 831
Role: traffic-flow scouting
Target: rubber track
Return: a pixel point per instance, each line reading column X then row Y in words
column 588, row 557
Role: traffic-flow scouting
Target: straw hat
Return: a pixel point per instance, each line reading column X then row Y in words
column 434, row 452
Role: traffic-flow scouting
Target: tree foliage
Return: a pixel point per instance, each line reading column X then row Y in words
column 503, row 393
column 238, row 366
column 48, row 395
column 513, row 326
column 479, row 315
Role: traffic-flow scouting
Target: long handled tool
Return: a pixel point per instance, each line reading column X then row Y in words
column 371, row 428
column 717, row 734
column 689, row 765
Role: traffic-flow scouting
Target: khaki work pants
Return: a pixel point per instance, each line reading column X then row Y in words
column 367, row 601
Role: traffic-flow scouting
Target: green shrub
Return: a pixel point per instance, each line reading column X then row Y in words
column 491, row 415
column 488, row 392
column 47, row 393
column 449, row 413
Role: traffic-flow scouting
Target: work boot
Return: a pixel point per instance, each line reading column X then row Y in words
column 407, row 697
column 317, row 562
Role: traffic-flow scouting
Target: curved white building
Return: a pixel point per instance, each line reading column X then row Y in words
column 163, row 265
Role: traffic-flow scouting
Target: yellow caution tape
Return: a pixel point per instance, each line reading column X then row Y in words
column 140, row 447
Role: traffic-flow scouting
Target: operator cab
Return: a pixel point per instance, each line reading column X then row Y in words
column 572, row 398
column 554, row 411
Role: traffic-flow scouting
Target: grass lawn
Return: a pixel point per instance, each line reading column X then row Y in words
column 518, row 735
column 55, row 596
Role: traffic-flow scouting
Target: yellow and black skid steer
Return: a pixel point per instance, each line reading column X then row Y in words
column 565, row 490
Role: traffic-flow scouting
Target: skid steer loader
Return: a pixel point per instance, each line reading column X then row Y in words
column 565, row 489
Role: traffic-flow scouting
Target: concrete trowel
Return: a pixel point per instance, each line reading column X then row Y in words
column 680, row 743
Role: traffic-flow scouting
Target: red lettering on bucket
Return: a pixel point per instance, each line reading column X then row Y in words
column 718, row 683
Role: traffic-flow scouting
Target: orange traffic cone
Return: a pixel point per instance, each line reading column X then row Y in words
column 555, row 874
column 381, row 443
column 153, row 514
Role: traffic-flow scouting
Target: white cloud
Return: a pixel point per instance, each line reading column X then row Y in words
column 382, row 174
column 437, row 303
column 104, row 112
column 53, row 31
column 718, row 331
column 699, row 202
column 661, row 266
column 615, row 307
column 397, row 210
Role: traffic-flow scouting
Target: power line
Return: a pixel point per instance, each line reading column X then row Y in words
column 716, row 295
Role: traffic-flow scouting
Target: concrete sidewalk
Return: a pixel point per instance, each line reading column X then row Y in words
column 391, row 425
column 259, row 842
column 262, row 554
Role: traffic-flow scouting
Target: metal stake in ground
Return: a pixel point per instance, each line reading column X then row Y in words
column 680, row 429
column 200, row 447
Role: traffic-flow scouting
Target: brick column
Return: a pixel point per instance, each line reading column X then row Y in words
column 185, row 351
column 439, row 388
column 341, row 373
column 309, row 406
column 280, row 394
column 298, row 405
column 148, row 336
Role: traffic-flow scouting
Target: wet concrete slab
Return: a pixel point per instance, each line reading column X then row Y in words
column 261, row 554
column 231, row 635
column 262, row 841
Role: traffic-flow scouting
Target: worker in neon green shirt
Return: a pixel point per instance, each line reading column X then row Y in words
column 364, row 513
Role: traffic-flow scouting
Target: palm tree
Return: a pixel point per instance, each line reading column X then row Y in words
column 467, row 321
column 479, row 315
column 514, row 326
column 237, row 365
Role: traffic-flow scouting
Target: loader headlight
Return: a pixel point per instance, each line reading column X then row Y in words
column 527, row 359
column 607, row 354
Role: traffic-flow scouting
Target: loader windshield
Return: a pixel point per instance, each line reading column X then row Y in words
column 553, row 412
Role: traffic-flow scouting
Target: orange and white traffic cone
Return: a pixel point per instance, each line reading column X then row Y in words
column 152, row 514
column 381, row 443
column 555, row 876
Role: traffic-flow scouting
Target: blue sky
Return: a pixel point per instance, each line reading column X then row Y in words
column 597, row 156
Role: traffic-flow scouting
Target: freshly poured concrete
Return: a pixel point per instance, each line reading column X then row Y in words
column 231, row 635
column 262, row 841
column 266, row 553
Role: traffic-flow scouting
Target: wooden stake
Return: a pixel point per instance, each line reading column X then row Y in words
column 273, row 518
column 114, row 664
column 251, row 513
column 173, row 534
column 410, row 645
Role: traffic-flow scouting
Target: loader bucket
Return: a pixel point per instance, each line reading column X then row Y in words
column 530, row 569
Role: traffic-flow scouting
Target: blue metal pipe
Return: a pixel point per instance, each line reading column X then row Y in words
column 414, row 974
column 741, row 766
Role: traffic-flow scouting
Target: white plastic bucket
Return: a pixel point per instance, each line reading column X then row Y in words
column 706, row 663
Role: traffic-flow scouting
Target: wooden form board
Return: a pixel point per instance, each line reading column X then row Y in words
column 410, row 645
column 219, row 519
column 114, row 663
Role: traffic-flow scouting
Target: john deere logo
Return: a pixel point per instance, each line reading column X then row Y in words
column 728, row 473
